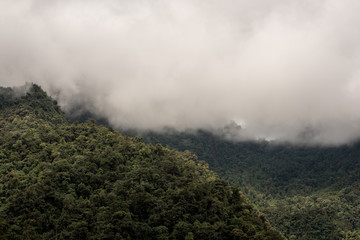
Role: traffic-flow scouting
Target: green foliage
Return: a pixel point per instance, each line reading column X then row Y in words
column 83, row 181
column 306, row 192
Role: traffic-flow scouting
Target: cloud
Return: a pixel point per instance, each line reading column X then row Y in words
column 282, row 68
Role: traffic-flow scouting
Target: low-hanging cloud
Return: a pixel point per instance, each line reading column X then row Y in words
column 284, row 69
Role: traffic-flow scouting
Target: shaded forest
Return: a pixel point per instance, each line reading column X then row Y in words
column 306, row 192
column 71, row 180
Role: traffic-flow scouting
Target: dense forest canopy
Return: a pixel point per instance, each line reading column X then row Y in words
column 63, row 180
column 307, row 192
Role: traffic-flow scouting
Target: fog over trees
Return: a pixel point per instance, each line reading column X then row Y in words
column 285, row 69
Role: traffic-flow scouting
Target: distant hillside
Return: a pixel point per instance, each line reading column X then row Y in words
column 62, row 180
column 306, row 192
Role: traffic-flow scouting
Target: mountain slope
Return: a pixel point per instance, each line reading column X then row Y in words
column 62, row 180
column 306, row 192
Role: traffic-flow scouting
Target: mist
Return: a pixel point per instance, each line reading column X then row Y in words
column 287, row 70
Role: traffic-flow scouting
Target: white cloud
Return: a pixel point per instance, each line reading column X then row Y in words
column 279, row 66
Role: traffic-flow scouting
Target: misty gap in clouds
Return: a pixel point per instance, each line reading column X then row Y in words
column 282, row 69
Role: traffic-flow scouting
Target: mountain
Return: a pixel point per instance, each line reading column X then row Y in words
column 307, row 192
column 71, row 180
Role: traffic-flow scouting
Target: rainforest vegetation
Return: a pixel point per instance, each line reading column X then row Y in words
column 306, row 192
column 71, row 180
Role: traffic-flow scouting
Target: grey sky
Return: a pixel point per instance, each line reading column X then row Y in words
column 281, row 68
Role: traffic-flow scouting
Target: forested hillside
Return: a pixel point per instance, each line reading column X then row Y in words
column 63, row 180
column 306, row 192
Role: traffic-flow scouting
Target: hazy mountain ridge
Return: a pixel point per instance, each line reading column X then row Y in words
column 309, row 192
column 62, row 180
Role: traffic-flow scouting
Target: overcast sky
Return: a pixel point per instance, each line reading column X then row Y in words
column 284, row 69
